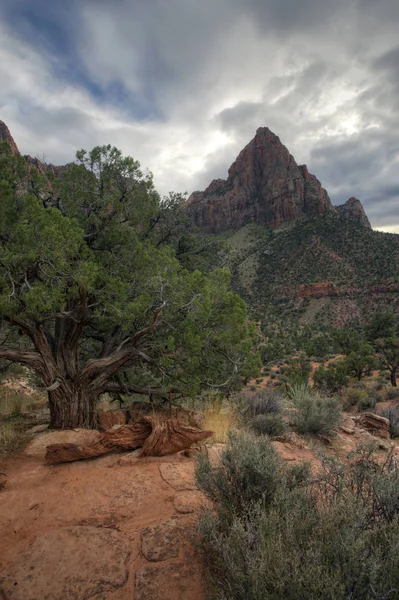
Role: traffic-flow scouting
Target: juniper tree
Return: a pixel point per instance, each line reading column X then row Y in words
column 93, row 302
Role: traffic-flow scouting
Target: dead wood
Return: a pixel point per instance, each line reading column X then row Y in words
column 169, row 436
column 127, row 437
column 157, row 435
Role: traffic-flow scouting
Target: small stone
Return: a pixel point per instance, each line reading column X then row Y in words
column 37, row 429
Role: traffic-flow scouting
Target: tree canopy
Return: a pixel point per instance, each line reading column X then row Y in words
column 94, row 298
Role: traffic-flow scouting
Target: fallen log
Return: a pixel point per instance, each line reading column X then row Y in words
column 156, row 434
column 168, row 436
column 126, row 437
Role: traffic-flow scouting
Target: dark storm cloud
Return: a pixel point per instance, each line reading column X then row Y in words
column 183, row 85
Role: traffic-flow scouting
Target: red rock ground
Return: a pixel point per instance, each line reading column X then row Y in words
column 114, row 528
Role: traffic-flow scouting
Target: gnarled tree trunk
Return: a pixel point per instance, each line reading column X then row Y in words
column 393, row 378
column 73, row 406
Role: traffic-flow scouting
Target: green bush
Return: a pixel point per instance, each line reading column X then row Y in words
column 392, row 393
column 272, row 425
column 334, row 537
column 355, row 396
column 367, row 402
column 330, row 380
column 313, row 414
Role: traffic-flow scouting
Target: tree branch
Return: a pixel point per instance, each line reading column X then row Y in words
column 128, row 388
column 30, row 358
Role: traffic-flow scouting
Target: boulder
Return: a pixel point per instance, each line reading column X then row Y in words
column 374, row 424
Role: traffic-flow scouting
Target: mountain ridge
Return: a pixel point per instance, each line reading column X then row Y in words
column 266, row 186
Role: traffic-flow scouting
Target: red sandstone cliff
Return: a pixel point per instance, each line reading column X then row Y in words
column 264, row 186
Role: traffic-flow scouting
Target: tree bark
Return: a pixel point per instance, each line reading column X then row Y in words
column 393, row 378
column 73, row 406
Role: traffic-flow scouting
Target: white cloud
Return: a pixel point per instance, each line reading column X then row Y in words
column 186, row 84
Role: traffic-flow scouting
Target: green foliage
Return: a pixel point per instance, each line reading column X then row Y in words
column 388, row 355
column 360, row 363
column 297, row 370
column 347, row 340
column 88, row 269
column 356, row 396
column 331, row 379
column 382, row 325
column 313, row 414
column 367, row 402
column 272, row 425
column 332, row 537
column 248, row 473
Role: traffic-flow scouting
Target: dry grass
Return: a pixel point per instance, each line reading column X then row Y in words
column 219, row 420
column 8, row 437
column 14, row 403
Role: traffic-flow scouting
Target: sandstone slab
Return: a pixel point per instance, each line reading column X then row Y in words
column 177, row 581
column 180, row 476
column 190, row 501
column 70, row 563
column 37, row 447
column 165, row 540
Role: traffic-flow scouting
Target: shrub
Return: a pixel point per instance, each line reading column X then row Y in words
column 367, row 402
column 259, row 380
column 334, row 537
column 248, row 473
column 8, row 436
column 262, row 402
column 272, row 425
column 392, row 414
column 312, row 413
column 298, row 370
column 392, row 393
column 330, row 380
column 355, row 395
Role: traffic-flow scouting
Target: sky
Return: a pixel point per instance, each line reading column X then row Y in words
column 182, row 86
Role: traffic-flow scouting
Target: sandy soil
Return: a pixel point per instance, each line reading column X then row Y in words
column 105, row 528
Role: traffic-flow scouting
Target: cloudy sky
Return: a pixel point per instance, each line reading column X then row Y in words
column 182, row 85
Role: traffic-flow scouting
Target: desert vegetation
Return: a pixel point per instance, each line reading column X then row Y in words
column 279, row 531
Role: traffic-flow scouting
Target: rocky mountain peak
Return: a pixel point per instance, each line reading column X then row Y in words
column 264, row 185
column 353, row 210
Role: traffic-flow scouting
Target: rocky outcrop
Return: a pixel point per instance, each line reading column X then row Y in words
column 264, row 186
column 374, row 424
column 330, row 290
column 353, row 210
column 5, row 136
